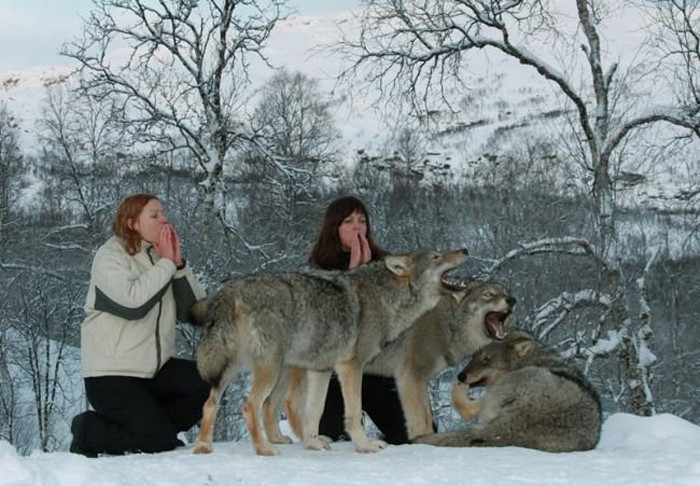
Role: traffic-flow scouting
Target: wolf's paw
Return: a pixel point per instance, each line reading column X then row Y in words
column 266, row 450
column 281, row 439
column 371, row 446
column 326, row 440
column 318, row 443
column 203, row 448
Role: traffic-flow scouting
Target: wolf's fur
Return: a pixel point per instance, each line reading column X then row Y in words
column 316, row 320
column 460, row 324
column 533, row 399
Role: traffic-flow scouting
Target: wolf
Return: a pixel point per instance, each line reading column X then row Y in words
column 465, row 320
column 316, row 320
column 532, row 399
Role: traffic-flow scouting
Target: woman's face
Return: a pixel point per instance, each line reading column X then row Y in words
column 350, row 227
column 150, row 221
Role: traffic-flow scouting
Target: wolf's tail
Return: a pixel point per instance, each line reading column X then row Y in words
column 198, row 313
column 217, row 351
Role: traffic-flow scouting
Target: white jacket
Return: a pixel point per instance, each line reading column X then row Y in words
column 131, row 308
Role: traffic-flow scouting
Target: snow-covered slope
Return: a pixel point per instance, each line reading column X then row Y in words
column 502, row 105
column 634, row 451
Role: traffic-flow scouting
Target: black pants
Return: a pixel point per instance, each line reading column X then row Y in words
column 380, row 401
column 137, row 414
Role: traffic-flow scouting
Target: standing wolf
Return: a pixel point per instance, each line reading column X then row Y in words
column 533, row 399
column 461, row 323
column 316, row 320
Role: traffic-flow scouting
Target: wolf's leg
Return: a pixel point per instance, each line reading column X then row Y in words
column 413, row 394
column 510, row 431
column 462, row 438
column 460, row 400
column 272, row 405
column 294, row 399
column 265, row 375
column 317, row 387
column 350, row 377
column 204, row 444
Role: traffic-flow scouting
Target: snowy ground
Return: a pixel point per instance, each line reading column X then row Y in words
column 635, row 451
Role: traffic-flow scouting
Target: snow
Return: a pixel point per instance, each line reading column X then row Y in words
column 635, row 451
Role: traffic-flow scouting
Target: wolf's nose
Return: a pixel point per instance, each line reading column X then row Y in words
column 511, row 301
column 462, row 377
column 465, row 251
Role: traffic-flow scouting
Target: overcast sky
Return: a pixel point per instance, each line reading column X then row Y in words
column 32, row 31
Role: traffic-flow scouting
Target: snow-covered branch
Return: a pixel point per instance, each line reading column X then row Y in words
column 31, row 268
column 548, row 316
column 249, row 246
column 568, row 245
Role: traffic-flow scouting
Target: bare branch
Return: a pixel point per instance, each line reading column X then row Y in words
column 569, row 246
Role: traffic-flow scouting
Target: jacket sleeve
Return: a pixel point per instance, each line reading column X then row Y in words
column 126, row 293
column 187, row 290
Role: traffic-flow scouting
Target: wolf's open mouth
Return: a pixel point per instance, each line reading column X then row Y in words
column 452, row 284
column 495, row 324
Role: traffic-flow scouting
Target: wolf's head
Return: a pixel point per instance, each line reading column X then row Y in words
column 495, row 360
column 481, row 312
column 426, row 272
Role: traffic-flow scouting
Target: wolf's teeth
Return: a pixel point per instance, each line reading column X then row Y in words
column 452, row 284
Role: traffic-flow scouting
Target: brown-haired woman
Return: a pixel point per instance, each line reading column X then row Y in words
column 345, row 242
column 140, row 285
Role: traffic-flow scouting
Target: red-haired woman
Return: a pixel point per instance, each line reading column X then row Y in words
column 345, row 242
column 140, row 285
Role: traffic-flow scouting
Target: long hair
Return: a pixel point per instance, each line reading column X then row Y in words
column 328, row 252
column 128, row 211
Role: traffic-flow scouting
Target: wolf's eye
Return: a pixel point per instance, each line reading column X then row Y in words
column 485, row 358
column 488, row 295
column 434, row 256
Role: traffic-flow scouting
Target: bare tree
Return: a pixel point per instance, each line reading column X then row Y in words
column 179, row 69
column 414, row 51
column 83, row 148
column 10, row 163
column 293, row 121
column 46, row 321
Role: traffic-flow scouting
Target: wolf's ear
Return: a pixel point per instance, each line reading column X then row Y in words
column 399, row 265
column 523, row 346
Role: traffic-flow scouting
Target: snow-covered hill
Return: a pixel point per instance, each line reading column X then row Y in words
column 502, row 105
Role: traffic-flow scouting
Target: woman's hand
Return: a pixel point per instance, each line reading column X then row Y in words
column 360, row 252
column 168, row 244
column 177, row 250
column 366, row 250
column 355, row 253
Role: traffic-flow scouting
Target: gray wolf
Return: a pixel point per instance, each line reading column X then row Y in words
column 461, row 323
column 533, row 399
column 316, row 320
